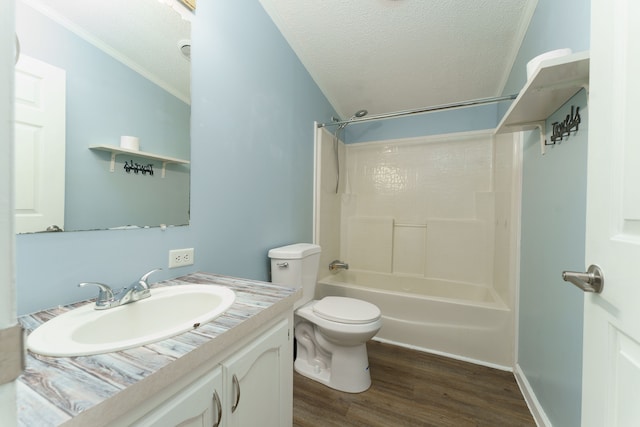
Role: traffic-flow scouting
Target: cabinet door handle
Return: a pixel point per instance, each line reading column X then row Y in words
column 218, row 405
column 236, row 386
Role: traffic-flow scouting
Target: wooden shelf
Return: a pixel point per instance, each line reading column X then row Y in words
column 119, row 150
column 554, row 83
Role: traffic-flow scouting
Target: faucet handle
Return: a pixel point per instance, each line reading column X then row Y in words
column 337, row 265
column 143, row 280
column 105, row 295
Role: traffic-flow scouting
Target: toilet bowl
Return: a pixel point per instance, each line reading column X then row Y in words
column 331, row 336
column 331, row 333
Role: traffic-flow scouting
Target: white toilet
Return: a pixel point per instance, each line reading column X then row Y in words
column 331, row 333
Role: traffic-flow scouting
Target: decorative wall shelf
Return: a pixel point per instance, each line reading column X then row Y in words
column 554, row 83
column 119, row 150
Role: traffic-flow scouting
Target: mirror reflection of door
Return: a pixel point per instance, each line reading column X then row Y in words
column 39, row 145
column 125, row 75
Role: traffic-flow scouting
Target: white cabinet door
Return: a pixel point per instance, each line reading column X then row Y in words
column 259, row 381
column 198, row 405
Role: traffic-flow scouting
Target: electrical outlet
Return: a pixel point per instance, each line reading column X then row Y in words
column 180, row 257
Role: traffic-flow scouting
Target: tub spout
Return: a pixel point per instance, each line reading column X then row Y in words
column 338, row 265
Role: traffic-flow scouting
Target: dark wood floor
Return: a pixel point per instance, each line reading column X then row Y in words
column 412, row 388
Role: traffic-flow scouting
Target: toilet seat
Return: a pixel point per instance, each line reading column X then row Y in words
column 346, row 310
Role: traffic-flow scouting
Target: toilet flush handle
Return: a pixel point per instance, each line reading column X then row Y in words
column 282, row 264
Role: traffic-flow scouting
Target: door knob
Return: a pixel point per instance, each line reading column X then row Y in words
column 591, row 281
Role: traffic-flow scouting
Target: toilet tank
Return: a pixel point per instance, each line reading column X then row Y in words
column 296, row 266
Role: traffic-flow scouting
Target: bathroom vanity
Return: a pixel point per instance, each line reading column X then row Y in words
column 233, row 371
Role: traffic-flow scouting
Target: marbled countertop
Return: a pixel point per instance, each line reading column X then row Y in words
column 78, row 390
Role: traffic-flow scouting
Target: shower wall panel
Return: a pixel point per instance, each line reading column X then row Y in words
column 459, row 250
column 369, row 242
column 505, row 232
column 410, row 240
column 421, row 207
column 328, row 202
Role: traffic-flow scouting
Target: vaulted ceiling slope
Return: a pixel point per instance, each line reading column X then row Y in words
column 392, row 55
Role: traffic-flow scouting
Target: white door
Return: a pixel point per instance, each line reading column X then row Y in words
column 39, row 145
column 611, row 358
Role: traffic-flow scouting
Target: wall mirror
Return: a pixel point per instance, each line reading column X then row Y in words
column 89, row 73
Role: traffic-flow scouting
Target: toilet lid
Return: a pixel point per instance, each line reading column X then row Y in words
column 346, row 310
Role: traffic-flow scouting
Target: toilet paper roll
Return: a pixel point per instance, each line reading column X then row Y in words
column 130, row 142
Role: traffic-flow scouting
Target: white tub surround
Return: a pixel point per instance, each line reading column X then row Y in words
column 427, row 226
column 105, row 389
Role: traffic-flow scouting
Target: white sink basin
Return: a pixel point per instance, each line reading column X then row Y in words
column 167, row 312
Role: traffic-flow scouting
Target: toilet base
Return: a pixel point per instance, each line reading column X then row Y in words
column 348, row 370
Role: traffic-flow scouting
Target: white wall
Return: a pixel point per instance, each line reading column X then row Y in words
column 7, row 280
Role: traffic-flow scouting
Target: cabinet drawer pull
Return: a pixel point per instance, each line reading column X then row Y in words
column 218, row 405
column 236, row 386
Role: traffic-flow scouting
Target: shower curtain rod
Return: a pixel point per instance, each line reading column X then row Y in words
column 422, row 110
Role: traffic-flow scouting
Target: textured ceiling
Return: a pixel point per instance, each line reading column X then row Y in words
column 143, row 34
column 392, row 55
column 379, row 55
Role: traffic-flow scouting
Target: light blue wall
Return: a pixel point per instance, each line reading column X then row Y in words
column 553, row 228
column 252, row 153
column 555, row 24
column 253, row 107
column 104, row 100
column 441, row 122
column 254, row 186
column 553, row 240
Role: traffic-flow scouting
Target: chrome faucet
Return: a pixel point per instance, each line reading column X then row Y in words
column 338, row 265
column 108, row 299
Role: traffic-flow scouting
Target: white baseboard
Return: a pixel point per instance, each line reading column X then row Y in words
column 539, row 416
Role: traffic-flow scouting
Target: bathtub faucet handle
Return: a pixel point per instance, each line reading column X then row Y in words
column 338, row 265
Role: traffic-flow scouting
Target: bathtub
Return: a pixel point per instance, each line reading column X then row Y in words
column 461, row 320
